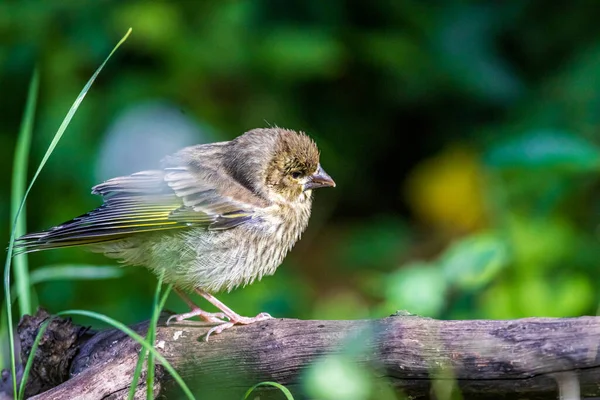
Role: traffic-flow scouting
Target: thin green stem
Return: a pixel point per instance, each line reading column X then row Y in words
column 19, row 181
column 18, row 226
column 150, row 338
column 157, row 310
column 286, row 392
column 29, row 364
column 9, row 253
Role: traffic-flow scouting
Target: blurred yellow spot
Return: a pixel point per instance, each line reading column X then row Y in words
column 447, row 190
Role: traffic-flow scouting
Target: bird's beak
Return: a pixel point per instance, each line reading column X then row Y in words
column 318, row 180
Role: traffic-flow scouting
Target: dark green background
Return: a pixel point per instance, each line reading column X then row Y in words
column 410, row 103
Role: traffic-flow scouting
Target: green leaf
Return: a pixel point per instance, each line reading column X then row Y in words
column 464, row 43
column 286, row 391
column 71, row 273
column 75, row 272
column 539, row 242
column 474, row 261
column 300, row 53
column 498, row 301
column 419, row 288
column 545, row 149
column 554, row 299
column 337, row 377
column 566, row 303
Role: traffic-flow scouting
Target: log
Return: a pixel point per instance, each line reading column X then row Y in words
column 533, row 358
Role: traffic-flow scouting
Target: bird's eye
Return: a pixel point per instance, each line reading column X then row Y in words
column 296, row 174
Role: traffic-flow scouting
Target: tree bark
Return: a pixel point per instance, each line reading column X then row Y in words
column 421, row 357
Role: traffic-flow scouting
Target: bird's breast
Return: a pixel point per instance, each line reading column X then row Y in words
column 279, row 229
column 238, row 256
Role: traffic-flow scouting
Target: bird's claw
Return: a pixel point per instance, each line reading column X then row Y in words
column 214, row 318
column 218, row 329
column 237, row 320
column 220, row 315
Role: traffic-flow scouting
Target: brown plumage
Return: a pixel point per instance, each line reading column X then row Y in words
column 214, row 217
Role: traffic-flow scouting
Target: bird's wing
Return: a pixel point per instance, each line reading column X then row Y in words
column 173, row 198
column 207, row 193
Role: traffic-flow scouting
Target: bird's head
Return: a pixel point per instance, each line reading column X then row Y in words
column 287, row 163
column 294, row 169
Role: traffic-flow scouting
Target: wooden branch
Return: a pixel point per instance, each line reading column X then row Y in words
column 532, row 358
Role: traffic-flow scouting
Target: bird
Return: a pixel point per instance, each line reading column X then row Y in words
column 212, row 218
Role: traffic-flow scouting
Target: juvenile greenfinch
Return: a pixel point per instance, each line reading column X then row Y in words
column 214, row 217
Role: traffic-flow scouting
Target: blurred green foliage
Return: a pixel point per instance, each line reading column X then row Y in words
column 464, row 138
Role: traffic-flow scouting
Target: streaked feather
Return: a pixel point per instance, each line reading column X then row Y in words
column 147, row 201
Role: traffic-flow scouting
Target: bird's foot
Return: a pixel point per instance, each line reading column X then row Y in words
column 236, row 319
column 213, row 318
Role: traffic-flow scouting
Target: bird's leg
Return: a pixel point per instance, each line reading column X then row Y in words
column 195, row 311
column 234, row 318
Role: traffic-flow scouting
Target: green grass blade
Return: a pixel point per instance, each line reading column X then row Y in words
column 142, row 357
column 9, row 253
column 71, row 273
column 63, row 126
column 286, row 391
column 36, row 343
column 152, row 330
column 138, row 372
column 18, row 189
column 149, row 347
column 150, row 338
column 75, row 272
column 19, row 181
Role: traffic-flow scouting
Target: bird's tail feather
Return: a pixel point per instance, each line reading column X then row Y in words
column 101, row 225
column 39, row 241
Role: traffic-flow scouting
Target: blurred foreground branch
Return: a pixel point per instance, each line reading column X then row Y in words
column 532, row 358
